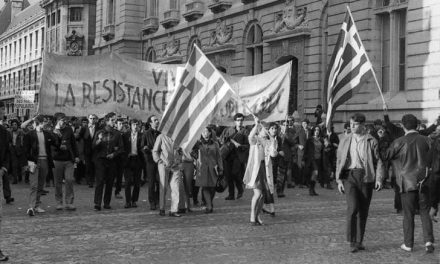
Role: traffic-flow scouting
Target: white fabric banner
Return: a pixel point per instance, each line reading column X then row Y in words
column 78, row 86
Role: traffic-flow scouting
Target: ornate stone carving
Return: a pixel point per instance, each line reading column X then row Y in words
column 290, row 18
column 221, row 35
column 74, row 44
column 171, row 48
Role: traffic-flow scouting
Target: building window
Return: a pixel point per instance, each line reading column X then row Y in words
column 402, row 49
column 58, row 16
column 75, row 14
column 36, row 42
column 174, row 4
column 254, row 50
column 48, row 20
column 30, row 45
column 111, row 12
column 154, row 8
column 151, row 55
column 35, row 75
column 42, row 38
column 52, row 17
column 392, row 27
column 194, row 40
column 385, row 37
column 24, row 78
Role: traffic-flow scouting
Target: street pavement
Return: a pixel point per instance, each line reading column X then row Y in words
column 305, row 230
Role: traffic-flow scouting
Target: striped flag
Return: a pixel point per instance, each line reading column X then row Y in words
column 349, row 67
column 196, row 99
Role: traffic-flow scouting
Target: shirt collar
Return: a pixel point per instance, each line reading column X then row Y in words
column 411, row 131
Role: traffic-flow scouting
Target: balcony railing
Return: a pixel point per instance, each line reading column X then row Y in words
column 218, row 6
column 194, row 10
column 151, row 24
column 109, row 32
column 170, row 18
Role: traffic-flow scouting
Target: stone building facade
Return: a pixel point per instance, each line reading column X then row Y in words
column 70, row 26
column 246, row 37
column 21, row 48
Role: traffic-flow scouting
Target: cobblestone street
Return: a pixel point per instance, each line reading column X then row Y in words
column 305, row 230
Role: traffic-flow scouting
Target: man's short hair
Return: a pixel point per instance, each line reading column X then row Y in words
column 306, row 120
column 84, row 119
column 238, row 115
column 149, row 118
column 39, row 119
column 122, row 120
column 15, row 121
column 358, row 117
column 347, row 125
column 59, row 116
column 108, row 116
column 409, row 121
column 133, row 121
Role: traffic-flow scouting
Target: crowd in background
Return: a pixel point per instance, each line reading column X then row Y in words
column 114, row 152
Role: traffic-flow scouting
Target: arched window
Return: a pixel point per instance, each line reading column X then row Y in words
column 192, row 41
column 254, row 49
column 150, row 56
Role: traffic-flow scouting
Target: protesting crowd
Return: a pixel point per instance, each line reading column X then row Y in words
column 114, row 153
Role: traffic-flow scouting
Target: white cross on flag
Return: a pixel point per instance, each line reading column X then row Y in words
column 194, row 103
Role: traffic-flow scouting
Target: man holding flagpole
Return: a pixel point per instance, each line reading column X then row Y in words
column 359, row 168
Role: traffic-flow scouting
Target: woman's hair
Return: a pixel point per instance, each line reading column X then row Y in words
column 319, row 129
column 210, row 134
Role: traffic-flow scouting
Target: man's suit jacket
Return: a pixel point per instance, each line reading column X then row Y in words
column 88, row 138
column 31, row 146
column 127, row 140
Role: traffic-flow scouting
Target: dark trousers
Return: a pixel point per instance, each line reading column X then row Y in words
column 410, row 202
column 234, row 171
column 132, row 175
column 358, row 195
column 6, row 187
column 105, row 175
column 152, row 181
column 90, row 170
column 118, row 175
column 16, row 167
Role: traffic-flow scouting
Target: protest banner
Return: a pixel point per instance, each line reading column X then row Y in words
column 99, row 84
column 24, row 100
column 106, row 83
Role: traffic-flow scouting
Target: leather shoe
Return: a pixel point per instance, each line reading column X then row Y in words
column 162, row 212
column 230, row 198
column 134, row 205
column 97, row 208
column 3, row 257
column 360, row 246
column 127, row 205
column 106, row 206
column 153, row 207
column 239, row 195
column 267, row 212
column 175, row 214
column 9, row 200
column 281, row 195
column 181, row 211
column 208, row 211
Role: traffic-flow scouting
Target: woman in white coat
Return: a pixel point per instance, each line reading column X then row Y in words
column 258, row 175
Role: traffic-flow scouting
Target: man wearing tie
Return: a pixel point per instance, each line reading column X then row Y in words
column 133, row 163
column 88, row 135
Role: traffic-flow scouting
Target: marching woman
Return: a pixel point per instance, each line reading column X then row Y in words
column 313, row 158
column 209, row 165
column 258, row 175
